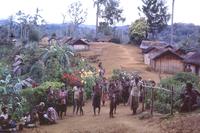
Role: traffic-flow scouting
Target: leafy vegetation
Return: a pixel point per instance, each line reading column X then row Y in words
column 138, row 31
column 156, row 13
column 178, row 81
column 78, row 16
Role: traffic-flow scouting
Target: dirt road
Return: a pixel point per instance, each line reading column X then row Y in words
column 124, row 57
column 123, row 122
column 113, row 57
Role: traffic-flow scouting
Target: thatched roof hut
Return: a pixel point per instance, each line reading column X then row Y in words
column 79, row 45
column 146, row 44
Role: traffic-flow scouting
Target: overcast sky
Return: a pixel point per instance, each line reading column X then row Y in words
column 186, row 11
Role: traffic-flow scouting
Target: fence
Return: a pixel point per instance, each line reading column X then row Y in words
column 170, row 90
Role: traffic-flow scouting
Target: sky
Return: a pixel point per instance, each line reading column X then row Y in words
column 186, row 11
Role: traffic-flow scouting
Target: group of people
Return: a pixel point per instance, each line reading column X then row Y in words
column 57, row 101
column 125, row 90
column 129, row 91
column 5, row 120
column 46, row 113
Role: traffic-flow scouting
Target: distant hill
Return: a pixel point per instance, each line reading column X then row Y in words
column 4, row 21
column 184, row 34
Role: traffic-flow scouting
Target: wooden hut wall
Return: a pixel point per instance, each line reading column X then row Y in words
column 168, row 64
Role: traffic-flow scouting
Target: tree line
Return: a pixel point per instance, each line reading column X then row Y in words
column 151, row 25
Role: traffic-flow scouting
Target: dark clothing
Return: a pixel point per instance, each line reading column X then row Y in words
column 189, row 100
column 96, row 96
column 96, row 99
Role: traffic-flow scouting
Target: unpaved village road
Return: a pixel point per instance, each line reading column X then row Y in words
column 124, row 57
column 113, row 57
column 123, row 122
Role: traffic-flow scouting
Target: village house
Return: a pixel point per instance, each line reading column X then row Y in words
column 180, row 52
column 148, row 53
column 151, row 52
column 167, row 61
column 65, row 40
column 147, row 44
column 193, row 62
column 79, row 45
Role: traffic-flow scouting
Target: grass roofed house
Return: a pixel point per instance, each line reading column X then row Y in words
column 147, row 44
column 80, row 45
column 150, row 52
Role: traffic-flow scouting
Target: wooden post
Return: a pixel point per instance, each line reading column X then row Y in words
column 172, row 101
column 143, row 98
column 152, row 100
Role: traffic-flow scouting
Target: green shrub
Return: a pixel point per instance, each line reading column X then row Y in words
column 178, row 81
column 38, row 94
column 89, row 83
column 187, row 77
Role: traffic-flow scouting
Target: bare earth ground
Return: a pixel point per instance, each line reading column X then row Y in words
column 125, row 57
column 113, row 57
column 123, row 122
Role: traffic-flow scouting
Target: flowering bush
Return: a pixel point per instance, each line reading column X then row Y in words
column 71, row 79
column 88, row 78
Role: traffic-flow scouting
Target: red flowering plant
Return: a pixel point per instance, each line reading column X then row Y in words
column 71, row 79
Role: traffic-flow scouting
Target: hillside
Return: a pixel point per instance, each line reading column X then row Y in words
column 125, row 57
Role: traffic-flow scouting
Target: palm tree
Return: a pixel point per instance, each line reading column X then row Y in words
column 172, row 22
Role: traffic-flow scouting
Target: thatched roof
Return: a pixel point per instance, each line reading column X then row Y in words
column 193, row 59
column 145, row 51
column 146, row 44
column 180, row 51
column 66, row 39
column 79, row 42
column 169, row 46
column 166, row 52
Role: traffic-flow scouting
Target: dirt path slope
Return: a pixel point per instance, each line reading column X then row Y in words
column 124, row 57
column 113, row 57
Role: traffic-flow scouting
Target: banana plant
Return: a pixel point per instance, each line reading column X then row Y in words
column 62, row 54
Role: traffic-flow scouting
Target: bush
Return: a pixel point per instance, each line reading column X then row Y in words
column 38, row 94
column 178, row 81
column 187, row 77
column 89, row 83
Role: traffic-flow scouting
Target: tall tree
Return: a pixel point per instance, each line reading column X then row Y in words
column 109, row 11
column 138, row 31
column 112, row 13
column 98, row 4
column 28, row 23
column 77, row 14
column 172, row 23
column 156, row 13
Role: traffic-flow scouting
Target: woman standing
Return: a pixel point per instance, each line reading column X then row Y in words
column 134, row 96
